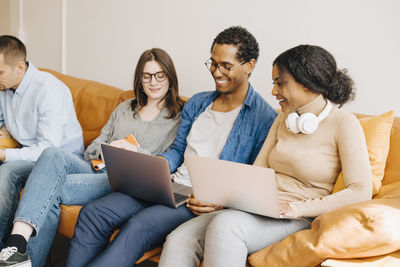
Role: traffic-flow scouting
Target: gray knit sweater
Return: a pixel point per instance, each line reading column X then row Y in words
column 154, row 136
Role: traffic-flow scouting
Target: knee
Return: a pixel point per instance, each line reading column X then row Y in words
column 89, row 210
column 88, row 215
column 182, row 238
column 51, row 152
column 225, row 224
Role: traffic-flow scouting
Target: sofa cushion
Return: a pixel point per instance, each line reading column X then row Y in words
column 377, row 134
column 8, row 142
column 392, row 171
column 364, row 229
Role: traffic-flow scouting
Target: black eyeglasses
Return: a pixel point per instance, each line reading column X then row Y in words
column 160, row 76
column 212, row 67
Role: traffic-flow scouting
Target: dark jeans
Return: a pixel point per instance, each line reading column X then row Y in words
column 142, row 227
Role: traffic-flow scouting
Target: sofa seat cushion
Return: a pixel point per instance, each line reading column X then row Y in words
column 361, row 230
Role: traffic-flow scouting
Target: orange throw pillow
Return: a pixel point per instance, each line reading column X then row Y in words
column 377, row 135
column 365, row 229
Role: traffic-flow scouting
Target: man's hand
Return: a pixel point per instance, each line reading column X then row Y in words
column 4, row 132
column 199, row 208
column 2, row 155
column 122, row 143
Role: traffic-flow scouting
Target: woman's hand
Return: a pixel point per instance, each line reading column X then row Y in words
column 286, row 209
column 122, row 143
column 199, row 208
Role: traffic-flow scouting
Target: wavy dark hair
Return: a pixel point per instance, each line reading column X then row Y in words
column 173, row 102
column 12, row 49
column 241, row 38
column 316, row 69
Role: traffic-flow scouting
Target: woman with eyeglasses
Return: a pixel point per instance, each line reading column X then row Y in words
column 59, row 177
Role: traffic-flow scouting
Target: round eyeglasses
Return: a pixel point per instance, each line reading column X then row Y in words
column 160, row 76
column 212, row 67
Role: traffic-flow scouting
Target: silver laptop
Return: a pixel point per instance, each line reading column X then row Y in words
column 143, row 176
column 235, row 185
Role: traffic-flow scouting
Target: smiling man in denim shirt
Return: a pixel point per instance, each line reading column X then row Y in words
column 230, row 123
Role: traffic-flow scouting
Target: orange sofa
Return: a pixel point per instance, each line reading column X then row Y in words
column 374, row 239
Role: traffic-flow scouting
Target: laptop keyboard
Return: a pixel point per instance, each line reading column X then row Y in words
column 179, row 197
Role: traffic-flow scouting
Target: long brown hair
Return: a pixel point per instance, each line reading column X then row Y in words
column 173, row 102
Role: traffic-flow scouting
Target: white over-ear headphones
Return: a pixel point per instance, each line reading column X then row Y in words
column 306, row 123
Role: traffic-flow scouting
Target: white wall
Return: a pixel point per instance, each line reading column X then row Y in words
column 4, row 16
column 102, row 40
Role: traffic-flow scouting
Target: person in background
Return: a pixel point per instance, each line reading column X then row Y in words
column 60, row 177
column 36, row 110
column 308, row 145
column 229, row 123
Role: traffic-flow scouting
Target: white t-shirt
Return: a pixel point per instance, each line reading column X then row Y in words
column 207, row 138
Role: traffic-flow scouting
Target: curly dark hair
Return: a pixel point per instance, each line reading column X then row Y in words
column 241, row 38
column 316, row 69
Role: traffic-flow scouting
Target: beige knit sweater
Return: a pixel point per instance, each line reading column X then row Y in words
column 307, row 166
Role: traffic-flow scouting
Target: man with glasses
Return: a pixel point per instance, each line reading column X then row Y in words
column 230, row 123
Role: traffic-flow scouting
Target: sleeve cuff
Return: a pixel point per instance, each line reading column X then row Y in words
column 11, row 155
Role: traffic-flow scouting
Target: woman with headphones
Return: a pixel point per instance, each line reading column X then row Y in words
column 309, row 144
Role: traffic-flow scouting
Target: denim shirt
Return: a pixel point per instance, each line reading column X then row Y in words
column 246, row 138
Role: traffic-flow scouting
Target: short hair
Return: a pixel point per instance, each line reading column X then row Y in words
column 12, row 49
column 241, row 38
column 316, row 69
column 173, row 102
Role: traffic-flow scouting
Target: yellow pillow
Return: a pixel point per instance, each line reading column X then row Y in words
column 8, row 142
column 377, row 134
column 360, row 230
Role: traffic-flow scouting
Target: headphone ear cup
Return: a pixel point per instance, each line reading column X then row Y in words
column 307, row 123
column 291, row 122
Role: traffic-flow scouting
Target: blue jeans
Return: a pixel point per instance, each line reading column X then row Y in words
column 13, row 176
column 143, row 226
column 58, row 177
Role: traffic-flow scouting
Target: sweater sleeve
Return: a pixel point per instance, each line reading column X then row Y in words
column 356, row 170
